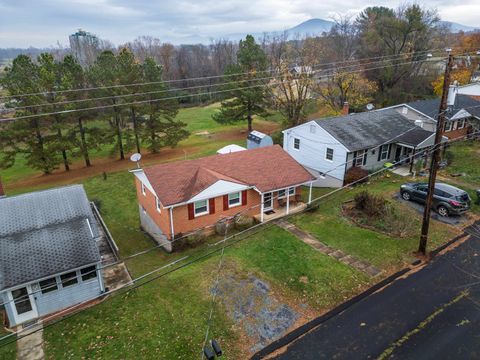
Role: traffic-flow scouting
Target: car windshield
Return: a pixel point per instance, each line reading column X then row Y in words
column 463, row 197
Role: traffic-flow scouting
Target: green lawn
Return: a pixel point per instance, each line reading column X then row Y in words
column 328, row 225
column 167, row 318
column 198, row 119
column 465, row 158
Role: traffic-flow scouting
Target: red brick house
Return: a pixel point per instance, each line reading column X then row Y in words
column 185, row 196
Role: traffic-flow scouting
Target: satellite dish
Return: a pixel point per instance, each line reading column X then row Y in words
column 370, row 107
column 136, row 158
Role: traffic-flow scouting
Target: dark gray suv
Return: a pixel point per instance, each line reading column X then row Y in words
column 447, row 199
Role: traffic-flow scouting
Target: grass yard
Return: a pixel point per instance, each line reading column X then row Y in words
column 328, row 225
column 198, row 119
column 167, row 319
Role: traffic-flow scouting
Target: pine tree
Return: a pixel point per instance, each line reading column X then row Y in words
column 248, row 89
column 160, row 127
column 105, row 74
column 30, row 137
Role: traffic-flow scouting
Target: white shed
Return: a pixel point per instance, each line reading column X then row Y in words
column 256, row 139
column 230, row 149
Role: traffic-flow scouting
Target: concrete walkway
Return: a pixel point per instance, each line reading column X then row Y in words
column 30, row 344
column 363, row 266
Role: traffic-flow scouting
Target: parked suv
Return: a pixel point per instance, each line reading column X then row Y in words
column 447, row 199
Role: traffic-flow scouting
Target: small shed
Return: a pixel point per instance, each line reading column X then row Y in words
column 230, row 149
column 256, row 139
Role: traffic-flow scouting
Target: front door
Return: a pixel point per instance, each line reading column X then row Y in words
column 267, row 202
column 398, row 153
column 23, row 302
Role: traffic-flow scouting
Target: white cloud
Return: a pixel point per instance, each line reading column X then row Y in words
column 44, row 22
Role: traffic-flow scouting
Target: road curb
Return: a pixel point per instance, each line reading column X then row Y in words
column 295, row 334
column 298, row 332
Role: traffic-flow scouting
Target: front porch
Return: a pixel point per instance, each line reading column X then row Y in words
column 281, row 212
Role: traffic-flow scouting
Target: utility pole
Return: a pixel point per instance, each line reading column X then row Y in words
column 422, row 248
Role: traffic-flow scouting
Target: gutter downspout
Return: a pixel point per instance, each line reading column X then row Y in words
column 261, row 207
column 310, row 193
column 171, row 225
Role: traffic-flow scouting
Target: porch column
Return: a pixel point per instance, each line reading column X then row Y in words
column 412, row 160
column 288, row 200
column 310, row 192
column 261, row 207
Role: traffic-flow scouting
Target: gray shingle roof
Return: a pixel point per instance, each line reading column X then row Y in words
column 414, row 137
column 430, row 107
column 44, row 233
column 367, row 130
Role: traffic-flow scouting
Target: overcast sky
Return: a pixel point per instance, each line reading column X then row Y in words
column 43, row 23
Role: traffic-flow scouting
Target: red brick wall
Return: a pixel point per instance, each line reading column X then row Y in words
column 162, row 218
column 182, row 224
column 455, row 134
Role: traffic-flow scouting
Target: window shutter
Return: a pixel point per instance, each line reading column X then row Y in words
column 379, row 152
column 389, row 150
column 354, row 162
column 244, row 197
column 211, row 205
column 225, row 202
column 191, row 213
column 365, row 156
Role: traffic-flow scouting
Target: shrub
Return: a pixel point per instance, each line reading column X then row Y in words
column 354, row 174
column 243, row 222
column 277, row 137
column 371, row 205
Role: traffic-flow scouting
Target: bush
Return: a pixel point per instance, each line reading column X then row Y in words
column 354, row 174
column 370, row 204
column 244, row 222
column 277, row 137
column 221, row 226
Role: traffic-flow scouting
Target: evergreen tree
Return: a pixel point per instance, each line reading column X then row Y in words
column 105, row 74
column 50, row 80
column 160, row 127
column 84, row 138
column 29, row 137
column 249, row 91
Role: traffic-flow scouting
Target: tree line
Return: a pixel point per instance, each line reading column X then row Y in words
column 49, row 141
column 251, row 78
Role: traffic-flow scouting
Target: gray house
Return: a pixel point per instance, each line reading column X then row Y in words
column 49, row 258
column 329, row 147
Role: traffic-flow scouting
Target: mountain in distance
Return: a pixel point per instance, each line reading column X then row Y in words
column 312, row 27
column 456, row 27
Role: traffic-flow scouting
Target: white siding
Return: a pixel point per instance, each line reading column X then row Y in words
column 470, row 89
column 313, row 147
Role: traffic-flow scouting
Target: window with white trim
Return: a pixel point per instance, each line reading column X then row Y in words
column 296, row 143
column 384, row 152
column 90, row 272
column 143, row 190
column 200, row 207
column 329, row 154
column 359, row 159
column 48, row 285
column 461, row 124
column 157, row 204
column 234, row 199
column 291, row 191
column 313, row 129
column 448, row 126
column 69, row 279
column 281, row 193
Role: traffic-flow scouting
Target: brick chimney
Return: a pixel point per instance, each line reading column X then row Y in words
column 346, row 108
column 2, row 191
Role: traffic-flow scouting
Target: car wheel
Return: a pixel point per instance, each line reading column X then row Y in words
column 442, row 211
column 406, row 196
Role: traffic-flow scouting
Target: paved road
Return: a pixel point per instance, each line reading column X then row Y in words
column 433, row 313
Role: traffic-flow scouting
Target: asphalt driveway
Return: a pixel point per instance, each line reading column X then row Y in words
column 432, row 313
column 450, row 220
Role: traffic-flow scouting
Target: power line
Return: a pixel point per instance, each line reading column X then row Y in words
column 224, row 241
column 166, row 98
column 184, row 88
column 385, row 57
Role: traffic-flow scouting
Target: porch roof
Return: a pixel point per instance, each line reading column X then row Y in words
column 415, row 137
